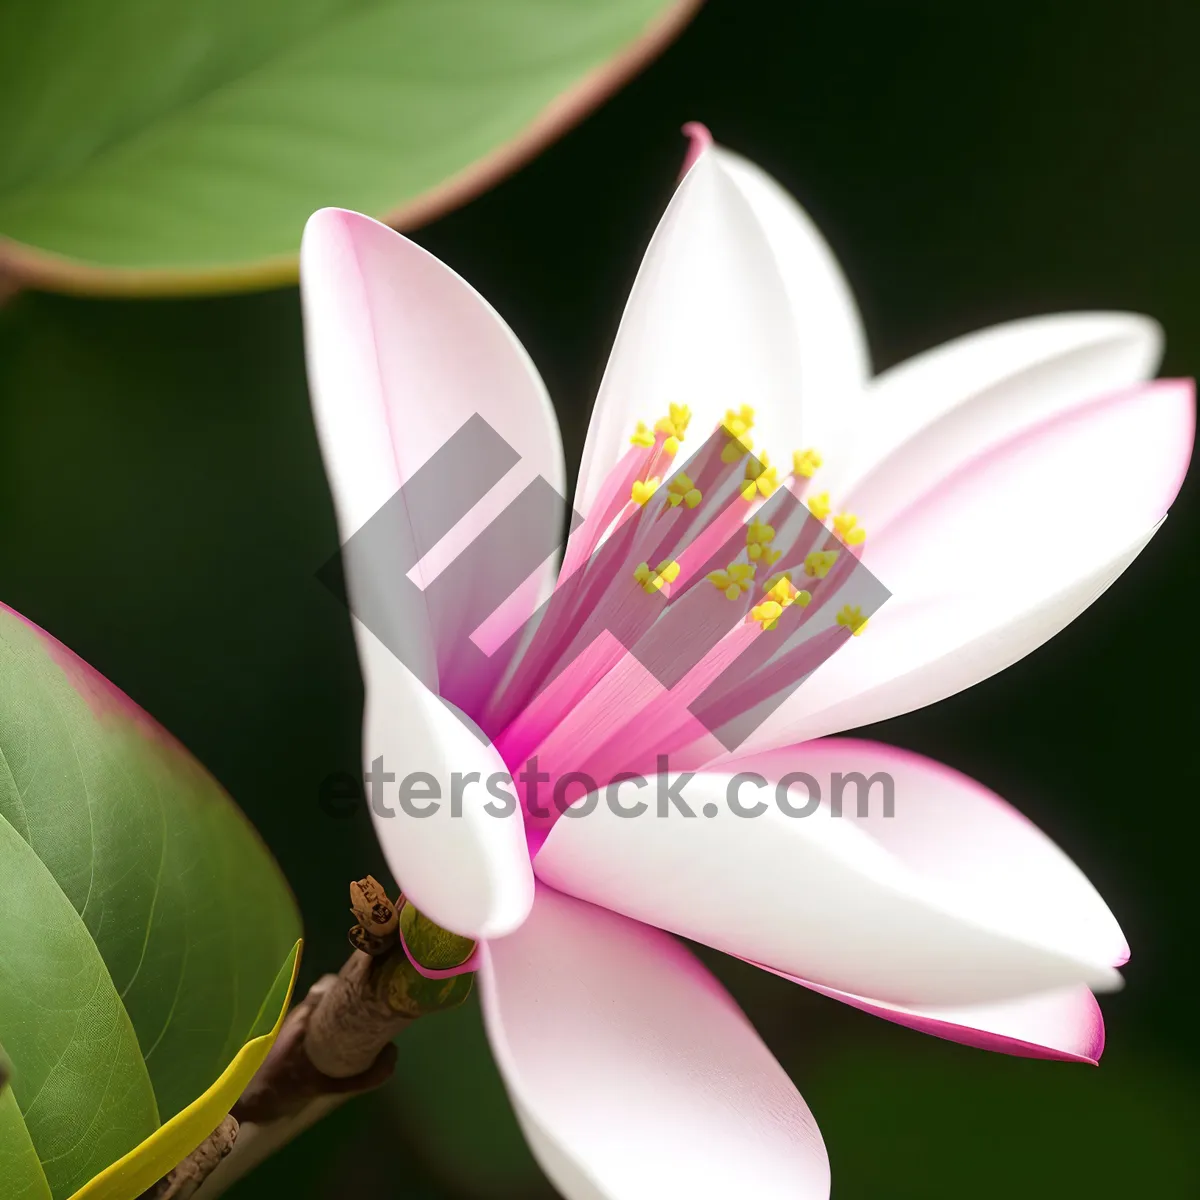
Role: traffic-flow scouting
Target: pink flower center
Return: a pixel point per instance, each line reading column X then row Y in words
column 691, row 602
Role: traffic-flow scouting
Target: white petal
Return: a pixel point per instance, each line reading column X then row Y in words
column 402, row 352
column 828, row 899
column 924, row 418
column 708, row 324
column 1000, row 558
column 924, row 650
column 633, row 1073
column 463, row 867
column 834, row 359
column 950, row 828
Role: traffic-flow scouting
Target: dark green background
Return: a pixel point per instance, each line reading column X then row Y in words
column 163, row 510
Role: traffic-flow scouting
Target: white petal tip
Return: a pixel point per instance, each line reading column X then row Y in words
column 1142, row 334
column 1106, row 979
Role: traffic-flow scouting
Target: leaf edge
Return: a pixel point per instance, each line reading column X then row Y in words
column 23, row 265
column 175, row 1139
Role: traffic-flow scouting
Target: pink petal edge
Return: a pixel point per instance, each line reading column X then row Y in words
column 633, row 1072
column 699, row 140
column 1079, row 1036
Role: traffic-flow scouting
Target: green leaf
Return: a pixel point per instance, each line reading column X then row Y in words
column 80, row 1080
column 23, row 1176
column 147, row 941
column 181, row 147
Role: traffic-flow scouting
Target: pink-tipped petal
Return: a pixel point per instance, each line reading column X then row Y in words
column 402, row 353
column 708, row 324
column 699, row 139
column 1065, row 1025
column 459, row 863
column 1000, row 557
column 633, row 1073
column 948, row 827
column 953, row 901
column 826, row 412
column 924, row 418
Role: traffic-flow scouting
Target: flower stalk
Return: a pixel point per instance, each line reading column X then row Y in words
column 334, row 1044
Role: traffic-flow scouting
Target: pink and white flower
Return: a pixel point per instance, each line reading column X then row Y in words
column 1004, row 480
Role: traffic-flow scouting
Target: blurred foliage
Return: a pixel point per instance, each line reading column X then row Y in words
column 449, row 1095
column 170, row 148
column 162, row 508
column 932, row 1120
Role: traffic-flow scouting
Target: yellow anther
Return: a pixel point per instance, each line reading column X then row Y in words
column 643, row 490
column 681, row 490
column 806, row 463
column 846, row 526
column 819, row 505
column 851, row 618
column 736, row 447
column 758, row 539
column 781, row 589
column 667, row 571
column 736, row 426
column 733, row 581
column 671, row 446
column 818, row 563
column 738, row 421
column 779, row 593
column 642, row 435
column 767, row 613
column 675, row 424
column 761, row 478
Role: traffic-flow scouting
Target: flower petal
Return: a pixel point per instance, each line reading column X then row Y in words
column 402, row 354
column 834, row 360
column 924, row 418
column 632, row 1071
column 964, row 834
column 708, row 324
column 463, row 867
column 1000, row 558
column 953, row 901
column 1066, row 1024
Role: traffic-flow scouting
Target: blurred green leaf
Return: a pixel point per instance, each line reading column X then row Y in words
column 182, row 147
column 148, row 937
column 936, row 1120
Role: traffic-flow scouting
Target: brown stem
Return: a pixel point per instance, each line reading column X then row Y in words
column 336, row 1042
column 185, row 1180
